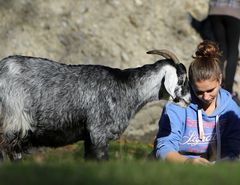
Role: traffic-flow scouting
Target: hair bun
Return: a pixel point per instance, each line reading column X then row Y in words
column 207, row 49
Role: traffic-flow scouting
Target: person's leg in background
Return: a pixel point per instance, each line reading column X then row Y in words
column 219, row 32
column 232, row 26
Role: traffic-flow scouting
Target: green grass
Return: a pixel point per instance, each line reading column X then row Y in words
column 127, row 165
column 118, row 151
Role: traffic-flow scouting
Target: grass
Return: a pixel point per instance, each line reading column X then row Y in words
column 127, row 165
column 118, row 151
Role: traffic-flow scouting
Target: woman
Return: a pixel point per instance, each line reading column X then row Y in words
column 209, row 128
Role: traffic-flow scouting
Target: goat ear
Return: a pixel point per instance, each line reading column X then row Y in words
column 163, row 93
column 170, row 83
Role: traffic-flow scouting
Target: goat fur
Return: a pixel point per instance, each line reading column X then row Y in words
column 45, row 103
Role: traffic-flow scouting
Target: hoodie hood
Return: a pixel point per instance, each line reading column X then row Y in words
column 223, row 100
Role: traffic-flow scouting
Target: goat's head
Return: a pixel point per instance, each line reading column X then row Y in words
column 175, row 83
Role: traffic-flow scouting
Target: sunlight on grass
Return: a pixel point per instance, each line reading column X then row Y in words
column 118, row 150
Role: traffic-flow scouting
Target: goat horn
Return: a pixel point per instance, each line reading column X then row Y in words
column 165, row 53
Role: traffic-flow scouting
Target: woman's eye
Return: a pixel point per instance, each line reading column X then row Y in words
column 210, row 90
column 199, row 93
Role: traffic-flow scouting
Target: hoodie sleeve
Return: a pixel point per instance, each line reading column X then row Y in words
column 170, row 131
column 231, row 134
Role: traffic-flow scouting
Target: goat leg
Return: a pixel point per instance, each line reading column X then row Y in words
column 14, row 156
column 95, row 151
column 1, row 156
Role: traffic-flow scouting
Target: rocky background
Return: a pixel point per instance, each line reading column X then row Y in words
column 116, row 33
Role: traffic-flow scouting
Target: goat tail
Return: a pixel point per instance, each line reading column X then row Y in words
column 165, row 53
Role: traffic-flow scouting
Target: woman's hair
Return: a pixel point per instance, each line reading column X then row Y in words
column 206, row 63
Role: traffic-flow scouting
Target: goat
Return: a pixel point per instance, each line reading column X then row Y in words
column 45, row 103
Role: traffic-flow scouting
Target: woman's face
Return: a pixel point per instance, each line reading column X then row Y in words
column 206, row 91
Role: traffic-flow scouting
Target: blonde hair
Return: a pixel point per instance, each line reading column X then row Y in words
column 206, row 63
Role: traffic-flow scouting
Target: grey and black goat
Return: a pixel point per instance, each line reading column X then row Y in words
column 45, row 103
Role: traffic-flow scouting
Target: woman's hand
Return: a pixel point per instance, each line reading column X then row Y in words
column 178, row 158
column 200, row 160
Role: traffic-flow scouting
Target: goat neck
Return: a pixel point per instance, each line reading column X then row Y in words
column 148, row 80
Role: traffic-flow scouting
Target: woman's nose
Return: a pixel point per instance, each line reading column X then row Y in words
column 206, row 96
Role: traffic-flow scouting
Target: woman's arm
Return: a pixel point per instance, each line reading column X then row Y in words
column 230, row 138
column 171, row 126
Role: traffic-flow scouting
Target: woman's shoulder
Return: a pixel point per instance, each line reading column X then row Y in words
column 175, row 113
column 174, row 107
column 226, row 101
column 225, row 97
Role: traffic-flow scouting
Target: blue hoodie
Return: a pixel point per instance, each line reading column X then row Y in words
column 191, row 132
